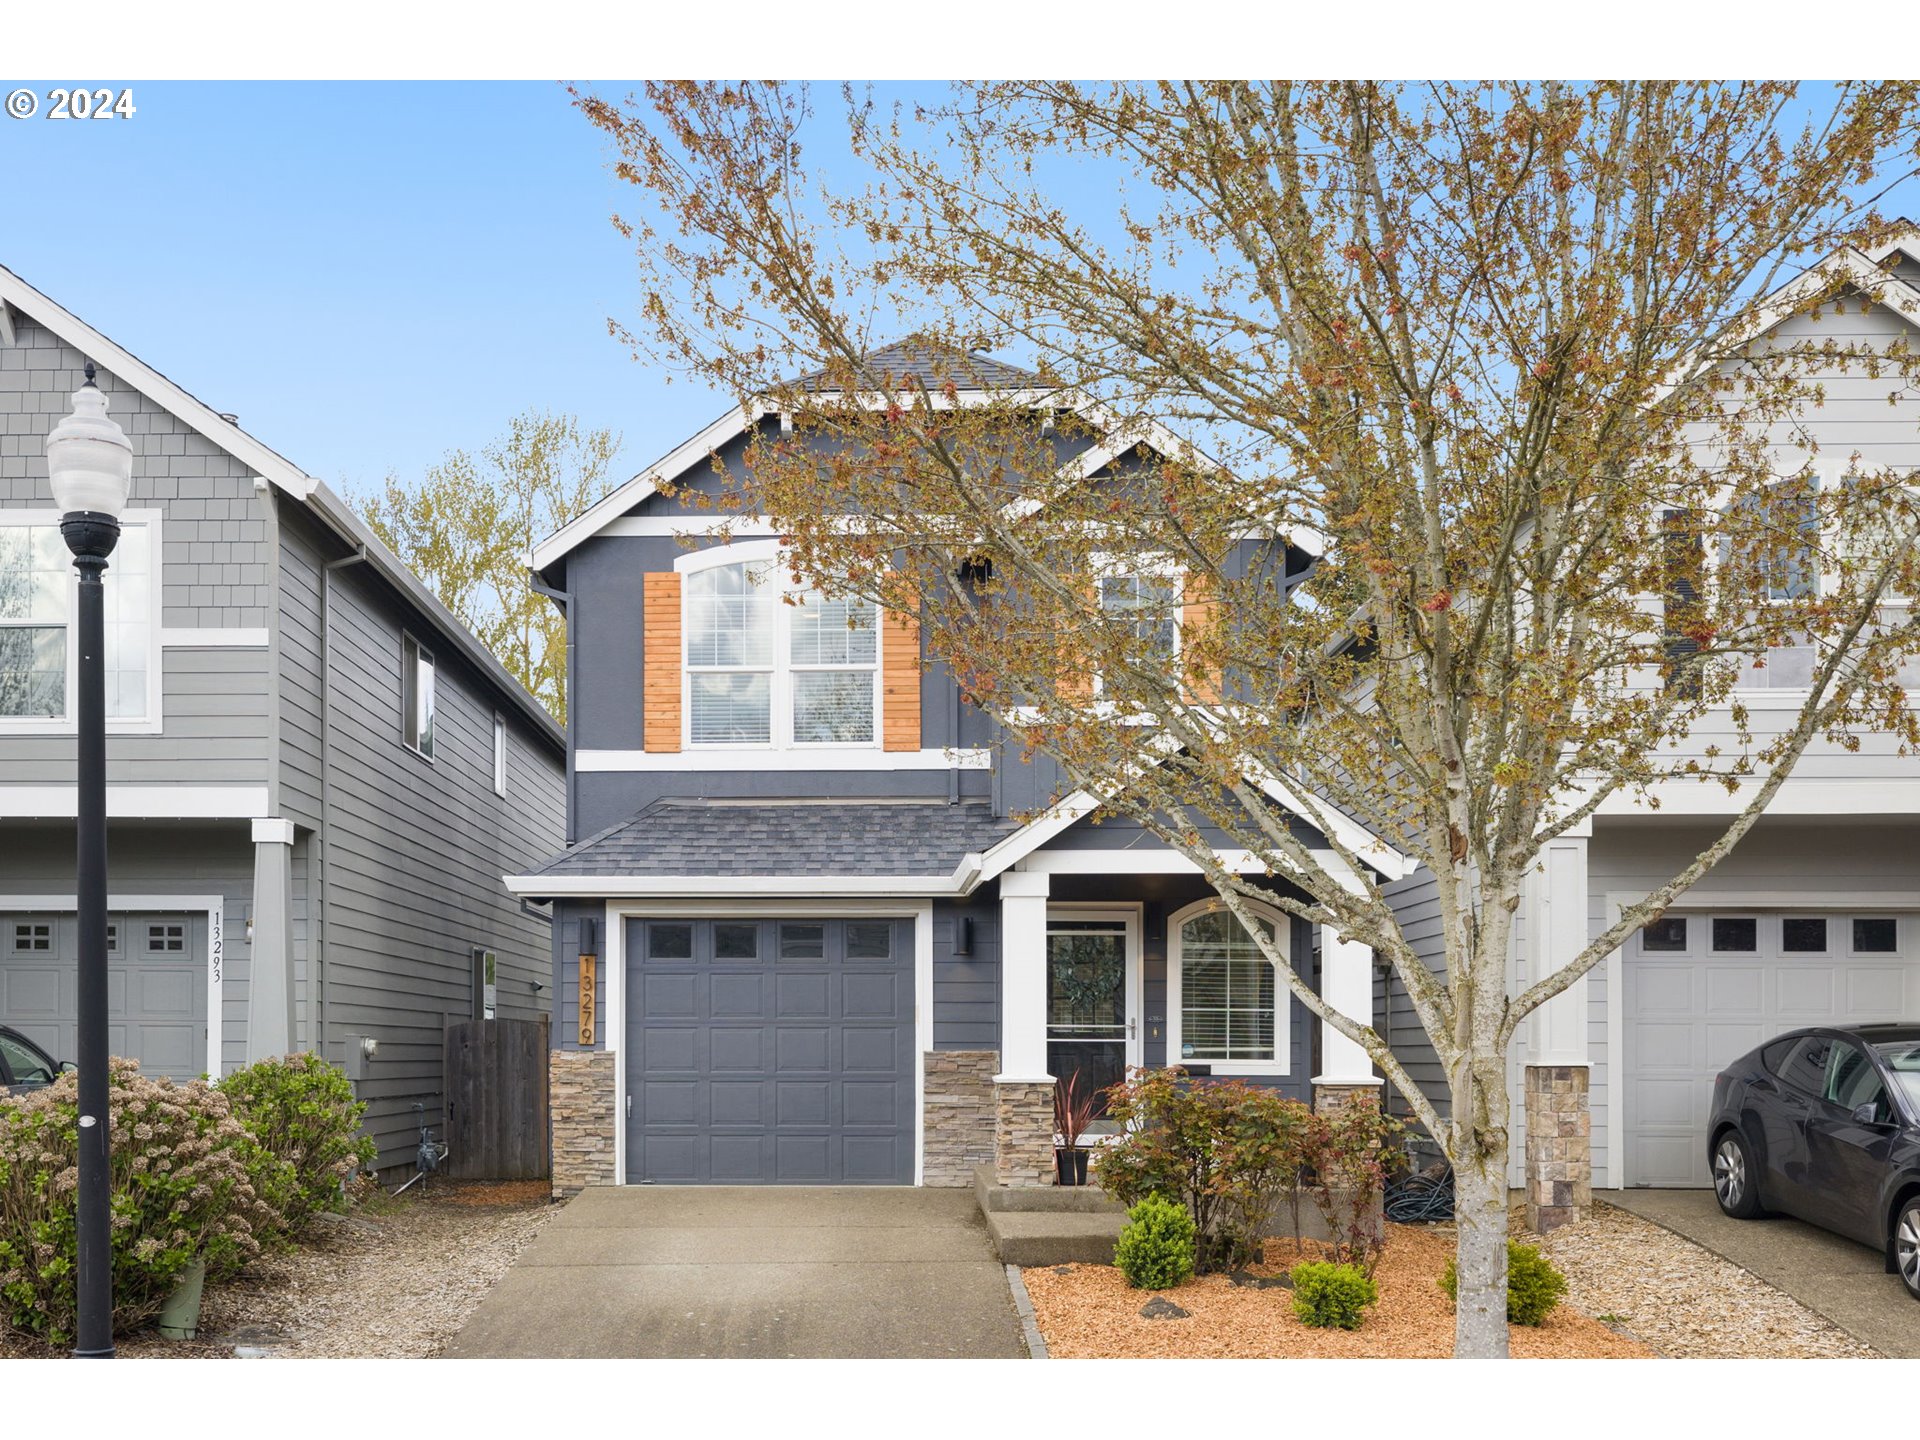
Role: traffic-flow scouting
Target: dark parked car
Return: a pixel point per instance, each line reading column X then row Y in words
column 23, row 1064
column 1825, row 1125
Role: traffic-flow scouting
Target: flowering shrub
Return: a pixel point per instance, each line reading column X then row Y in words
column 302, row 1113
column 181, row 1173
column 1229, row 1151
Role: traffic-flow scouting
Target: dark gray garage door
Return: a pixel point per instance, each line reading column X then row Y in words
column 156, row 986
column 770, row 1052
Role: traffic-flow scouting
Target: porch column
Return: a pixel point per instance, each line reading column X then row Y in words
column 270, row 1027
column 1559, row 1123
column 1346, row 984
column 1023, row 1090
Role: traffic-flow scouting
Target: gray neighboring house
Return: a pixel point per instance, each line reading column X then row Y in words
column 316, row 775
column 839, row 929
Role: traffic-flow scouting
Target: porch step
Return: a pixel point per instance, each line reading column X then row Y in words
column 1057, row 1237
column 1041, row 1199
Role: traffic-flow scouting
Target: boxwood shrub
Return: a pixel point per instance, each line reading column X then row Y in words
column 1155, row 1250
column 1332, row 1297
column 1534, row 1287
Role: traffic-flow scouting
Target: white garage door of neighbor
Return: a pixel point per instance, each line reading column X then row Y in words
column 1704, row 988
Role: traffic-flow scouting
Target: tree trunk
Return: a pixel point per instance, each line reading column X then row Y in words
column 1479, row 1153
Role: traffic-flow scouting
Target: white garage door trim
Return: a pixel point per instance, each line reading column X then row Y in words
column 613, row 997
column 1699, row 901
column 212, row 906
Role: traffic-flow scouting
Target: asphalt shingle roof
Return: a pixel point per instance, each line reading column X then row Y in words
column 675, row 836
column 934, row 366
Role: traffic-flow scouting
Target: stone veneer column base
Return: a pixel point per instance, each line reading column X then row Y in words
column 1559, row 1146
column 580, row 1090
column 960, row 1115
column 1329, row 1098
column 1023, row 1132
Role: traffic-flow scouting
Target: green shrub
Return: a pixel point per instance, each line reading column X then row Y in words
column 1534, row 1287
column 180, row 1172
column 302, row 1112
column 1155, row 1251
column 1350, row 1153
column 1327, row 1296
column 1229, row 1151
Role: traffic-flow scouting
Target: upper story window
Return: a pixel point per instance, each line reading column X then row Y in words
column 499, row 755
column 1146, row 592
column 769, row 663
column 37, row 654
column 416, row 696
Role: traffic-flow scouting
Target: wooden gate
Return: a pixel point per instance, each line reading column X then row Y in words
column 497, row 1100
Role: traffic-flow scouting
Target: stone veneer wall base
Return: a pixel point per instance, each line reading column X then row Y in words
column 580, row 1085
column 960, row 1115
column 1023, row 1132
column 1559, row 1146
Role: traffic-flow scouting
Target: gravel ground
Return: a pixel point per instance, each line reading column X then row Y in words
column 1088, row 1311
column 1683, row 1301
column 394, row 1280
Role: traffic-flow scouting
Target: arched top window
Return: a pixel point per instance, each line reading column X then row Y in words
column 1223, row 994
column 770, row 663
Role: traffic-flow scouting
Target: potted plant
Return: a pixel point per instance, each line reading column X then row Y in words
column 1074, row 1110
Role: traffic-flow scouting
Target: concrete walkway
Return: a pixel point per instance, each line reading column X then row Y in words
column 1836, row 1279
column 774, row 1271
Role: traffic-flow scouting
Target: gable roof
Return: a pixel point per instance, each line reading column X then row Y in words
column 17, row 295
column 971, row 373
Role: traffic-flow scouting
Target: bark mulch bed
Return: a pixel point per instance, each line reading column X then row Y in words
column 1089, row 1312
column 396, row 1279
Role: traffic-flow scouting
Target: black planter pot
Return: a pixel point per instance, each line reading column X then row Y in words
column 1071, row 1165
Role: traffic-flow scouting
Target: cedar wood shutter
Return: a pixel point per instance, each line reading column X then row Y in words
column 661, row 648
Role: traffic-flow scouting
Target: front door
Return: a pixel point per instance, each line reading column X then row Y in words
column 1092, row 1009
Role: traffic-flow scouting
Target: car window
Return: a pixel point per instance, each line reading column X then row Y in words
column 1852, row 1082
column 1902, row 1057
column 1805, row 1067
column 23, row 1064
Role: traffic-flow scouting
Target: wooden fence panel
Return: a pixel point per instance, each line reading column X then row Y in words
column 497, row 1100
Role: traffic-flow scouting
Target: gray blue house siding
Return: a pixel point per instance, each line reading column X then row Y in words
column 221, row 794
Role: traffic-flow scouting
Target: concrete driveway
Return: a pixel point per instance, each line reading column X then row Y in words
column 1836, row 1279
column 762, row 1272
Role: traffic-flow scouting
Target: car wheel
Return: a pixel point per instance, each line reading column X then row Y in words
column 1736, row 1183
column 1906, row 1246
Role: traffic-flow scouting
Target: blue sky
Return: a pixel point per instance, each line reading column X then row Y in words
column 369, row 275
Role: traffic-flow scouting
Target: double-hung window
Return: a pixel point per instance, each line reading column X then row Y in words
column 774, row 664
column 1224, row 993
column 1145, row 595
column 37, row 652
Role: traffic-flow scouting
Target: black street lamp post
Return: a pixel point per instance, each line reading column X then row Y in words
column 90, row 463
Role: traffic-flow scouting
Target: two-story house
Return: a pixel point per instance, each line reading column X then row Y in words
column 838, row 928
column 316, row 775
column 1813, row 919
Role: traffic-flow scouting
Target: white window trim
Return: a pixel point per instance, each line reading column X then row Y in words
column 407, row 637
column 147, row 724
column 499, row 754
column 1108, row 565
column 1282, row 1062
column 779, row 669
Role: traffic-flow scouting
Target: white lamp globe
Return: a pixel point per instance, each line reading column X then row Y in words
column 89, row 458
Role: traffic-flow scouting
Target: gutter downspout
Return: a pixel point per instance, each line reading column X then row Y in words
column 564, row 599
column 325, row 905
